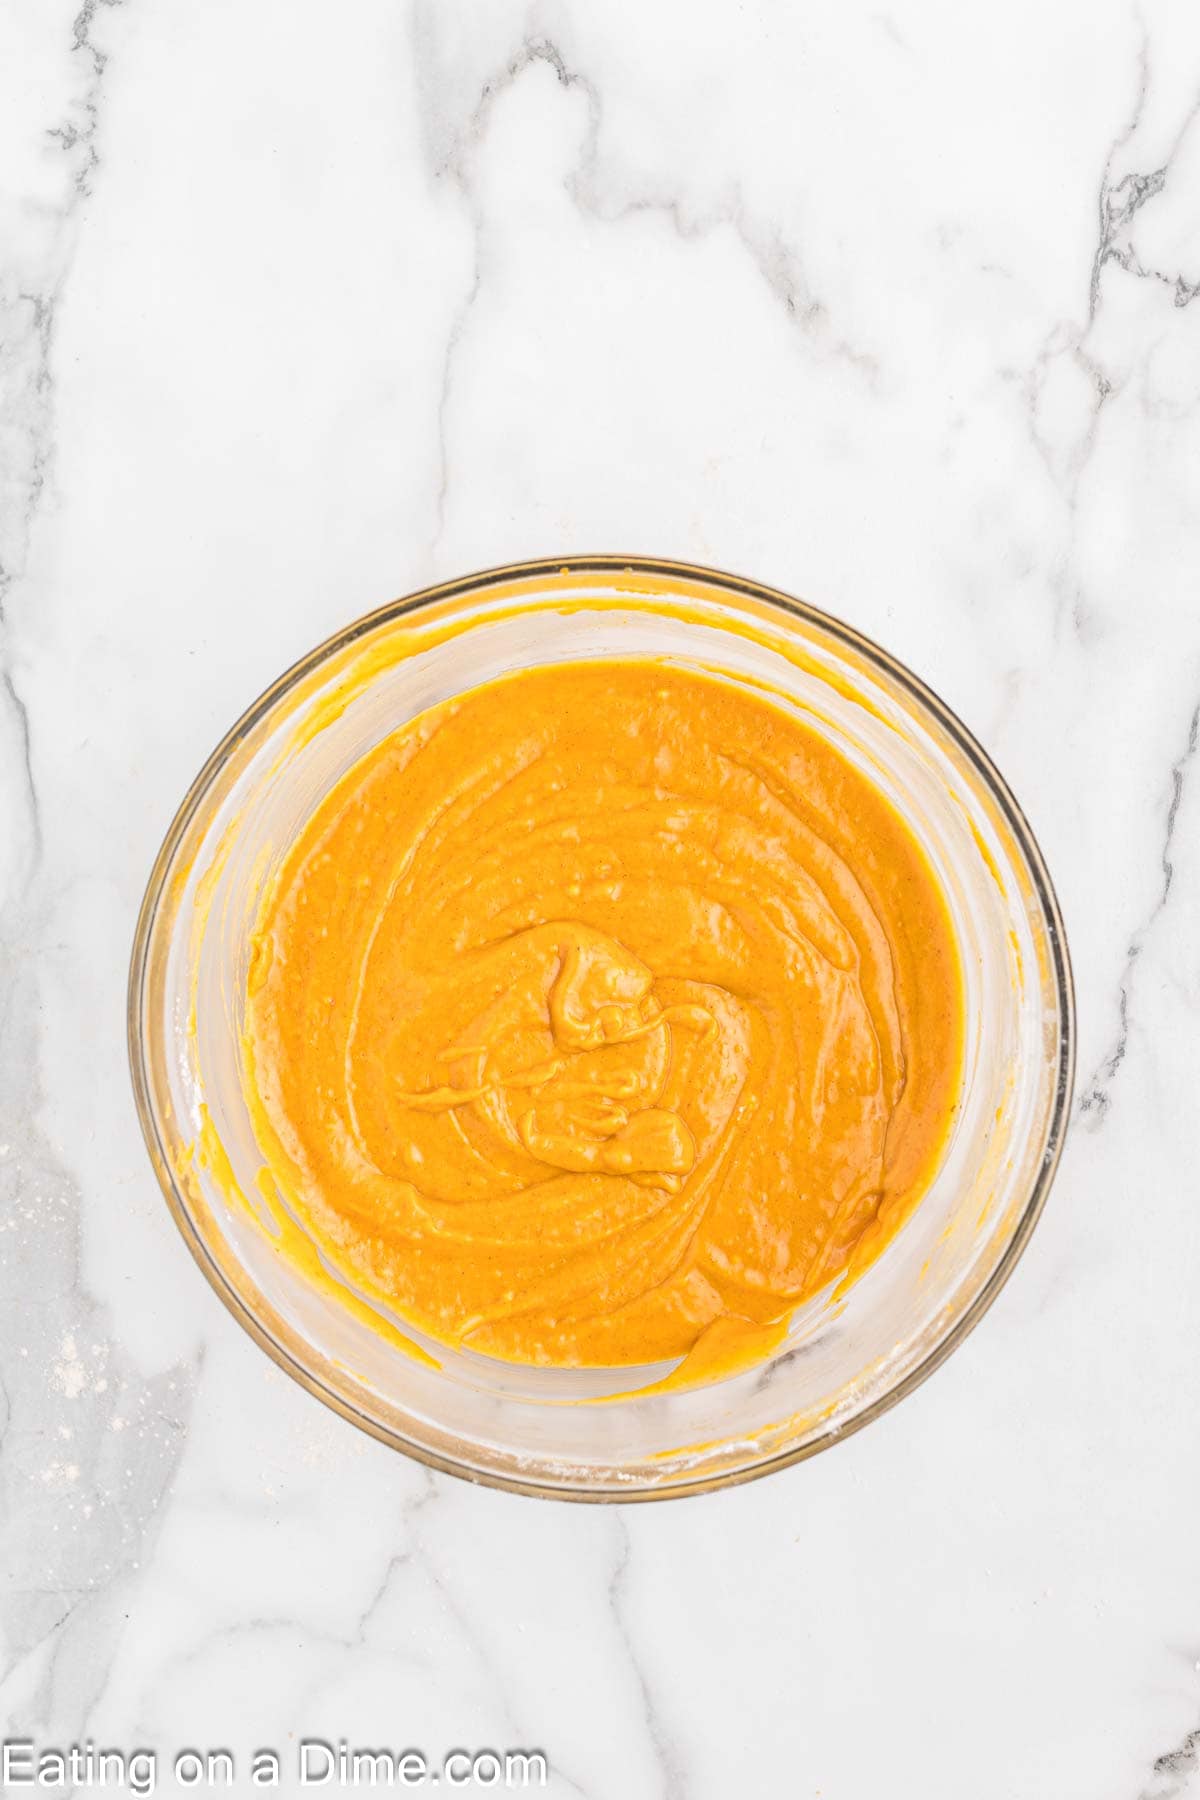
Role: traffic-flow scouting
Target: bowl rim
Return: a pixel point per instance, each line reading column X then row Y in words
column 879, row 659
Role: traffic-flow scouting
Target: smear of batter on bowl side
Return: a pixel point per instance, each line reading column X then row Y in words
column 601, row 1015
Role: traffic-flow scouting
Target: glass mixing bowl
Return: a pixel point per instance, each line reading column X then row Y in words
column 582, row 1434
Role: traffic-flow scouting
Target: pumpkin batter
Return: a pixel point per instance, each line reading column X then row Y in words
column 600, row 1011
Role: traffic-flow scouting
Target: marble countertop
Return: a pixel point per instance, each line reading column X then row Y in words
column 893, row 307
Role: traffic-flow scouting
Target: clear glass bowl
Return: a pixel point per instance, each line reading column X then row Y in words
column 845, row 1359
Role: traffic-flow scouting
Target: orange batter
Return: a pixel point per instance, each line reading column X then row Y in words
column 602, row 1010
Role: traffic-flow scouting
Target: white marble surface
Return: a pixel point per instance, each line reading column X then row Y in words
column 894, row 307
